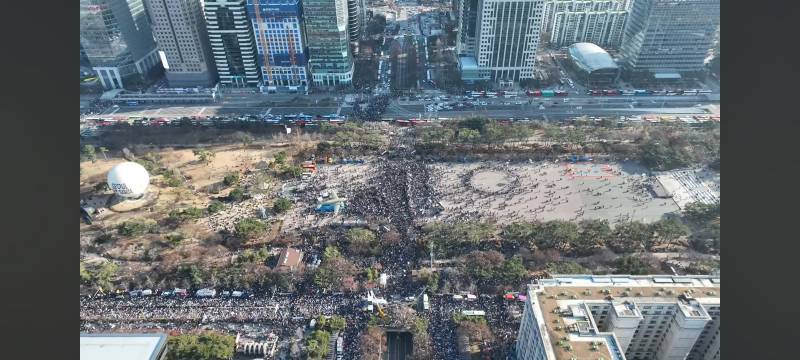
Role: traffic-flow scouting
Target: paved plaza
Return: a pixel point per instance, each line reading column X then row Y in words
column 549, row 191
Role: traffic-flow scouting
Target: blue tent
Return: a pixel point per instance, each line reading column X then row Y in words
column 327, row 208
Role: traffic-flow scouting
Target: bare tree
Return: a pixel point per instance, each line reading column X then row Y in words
column 372, row 343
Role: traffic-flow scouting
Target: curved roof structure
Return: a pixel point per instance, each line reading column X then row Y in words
column 591, row 57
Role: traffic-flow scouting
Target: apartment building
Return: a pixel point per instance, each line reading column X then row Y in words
column 621, row 317
column 600, row 22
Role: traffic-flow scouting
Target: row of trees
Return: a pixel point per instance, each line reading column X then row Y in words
column 589, row 236
column 490, row 270
column 660, row 147
column 241, row 275
column 475, row 132
column 582, row 238
column 123, row 134
column 451, row 239
column 349, row 136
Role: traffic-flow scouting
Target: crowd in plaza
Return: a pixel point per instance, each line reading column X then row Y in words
column 542, row 191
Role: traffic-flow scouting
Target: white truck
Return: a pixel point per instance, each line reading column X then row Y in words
column 203, row 293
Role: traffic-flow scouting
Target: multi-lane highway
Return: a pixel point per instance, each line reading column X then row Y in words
column 522, row 107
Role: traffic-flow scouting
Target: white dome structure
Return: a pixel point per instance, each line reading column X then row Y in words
column 128, row 180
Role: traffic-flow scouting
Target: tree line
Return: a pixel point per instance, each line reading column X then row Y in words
column 657, row 146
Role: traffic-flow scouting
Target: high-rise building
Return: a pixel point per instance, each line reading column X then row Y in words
column 180, row 31
column 356, row 19
column 278, row 29
column 330, row 59
column 507, row 37
column 117, row 40
column 601, row 22
column 467, row 26
column 232, row 42
column 669, row 37
column 621, row 317
column 84, row 58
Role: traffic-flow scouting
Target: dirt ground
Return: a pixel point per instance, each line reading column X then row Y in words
column 330, row 178
column 202, row 244
column 549, row 191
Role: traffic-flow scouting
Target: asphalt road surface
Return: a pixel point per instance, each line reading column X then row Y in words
column 215, row 110
column 559, row 110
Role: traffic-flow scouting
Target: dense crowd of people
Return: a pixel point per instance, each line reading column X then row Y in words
column 371, row 109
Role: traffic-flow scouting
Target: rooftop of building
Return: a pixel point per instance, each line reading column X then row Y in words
column 571, row 330
column 468, row 63
column 122, row 346
column 289, row 258
column 591, row 57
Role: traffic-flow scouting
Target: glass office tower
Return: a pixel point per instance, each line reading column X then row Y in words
column 330, row 59
column 117, row 40
column 669, row 37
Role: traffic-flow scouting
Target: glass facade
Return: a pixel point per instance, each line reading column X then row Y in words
column 116, row 34
column 669, row 35
column 330, row 59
